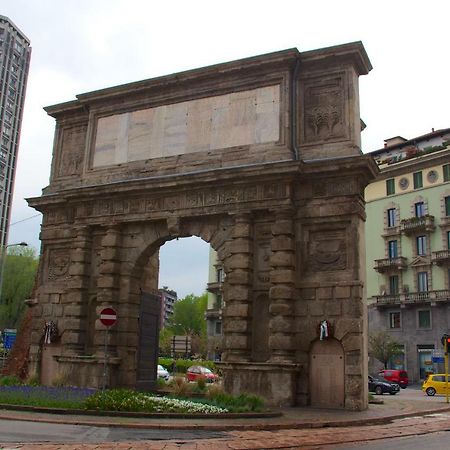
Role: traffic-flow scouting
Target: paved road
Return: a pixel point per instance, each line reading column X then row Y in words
column 432, row 429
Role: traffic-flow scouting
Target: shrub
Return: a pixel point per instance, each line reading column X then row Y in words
column 241, row 403
column 33, row 380
column 180, row 387
column 201, row 384
column 10, row 380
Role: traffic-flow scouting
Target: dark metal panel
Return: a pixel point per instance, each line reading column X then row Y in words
column 146, row 377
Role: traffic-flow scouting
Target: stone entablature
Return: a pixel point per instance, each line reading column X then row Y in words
column 286, row 219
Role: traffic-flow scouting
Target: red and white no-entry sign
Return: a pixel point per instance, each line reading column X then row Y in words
column 108, row 317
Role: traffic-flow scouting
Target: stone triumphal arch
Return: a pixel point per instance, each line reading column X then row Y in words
column 259, row 157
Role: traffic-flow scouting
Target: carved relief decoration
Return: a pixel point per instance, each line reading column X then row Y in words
column 58, row 265
column 323, row 108
column 327, row 251
column 73, row 143
column 212, row 197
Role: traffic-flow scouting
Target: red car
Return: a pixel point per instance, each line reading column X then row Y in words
column 395, row 376
column 195, row 372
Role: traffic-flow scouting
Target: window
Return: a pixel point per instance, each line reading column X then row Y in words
column 446, row 170
column 218, row 328
column 219, row 275
column 391, row 217
column 394, row 320
column 448, row 240
column 392, row 249
column 390, row 186
column 447, row 206
column 421, row 243
column 422, row 281
column 419, row 209
column 417, row 178
column 424, row 318
column 393, row 284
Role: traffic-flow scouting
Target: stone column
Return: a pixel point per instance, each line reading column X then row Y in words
column 73, row 339
column 108, row 285
column 282, row 290
column 238, row 290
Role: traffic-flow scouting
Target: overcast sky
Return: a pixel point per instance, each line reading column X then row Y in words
column 84, row 45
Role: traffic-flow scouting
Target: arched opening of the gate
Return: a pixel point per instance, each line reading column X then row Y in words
column 186, row 259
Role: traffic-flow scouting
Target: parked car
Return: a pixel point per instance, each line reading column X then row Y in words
column 163, row 373
column 435, row 384
column 395, row 376
column 380, row 386
column 193, row 373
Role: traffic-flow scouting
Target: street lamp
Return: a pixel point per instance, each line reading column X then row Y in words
column 2, row 263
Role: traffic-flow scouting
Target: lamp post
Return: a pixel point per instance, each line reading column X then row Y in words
column 2, row 263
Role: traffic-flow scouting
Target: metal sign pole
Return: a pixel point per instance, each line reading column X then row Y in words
column 446, row 368
column 105, row 364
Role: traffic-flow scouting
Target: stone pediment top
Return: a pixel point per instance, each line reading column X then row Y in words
column 353, row 53
column 420, row 261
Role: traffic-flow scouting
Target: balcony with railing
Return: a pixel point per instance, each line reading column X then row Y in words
column 441, row 257
column 417, row 224
column 214, row 311
column 387, row 264
column 412, row 298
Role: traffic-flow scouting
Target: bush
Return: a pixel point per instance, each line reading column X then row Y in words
column 10, row 380
column 241, row 403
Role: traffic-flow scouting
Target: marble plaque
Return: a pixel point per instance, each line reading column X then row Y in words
column 239, row 118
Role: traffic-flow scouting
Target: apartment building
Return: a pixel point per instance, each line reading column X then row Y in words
column 408, row 248
column 15, row 52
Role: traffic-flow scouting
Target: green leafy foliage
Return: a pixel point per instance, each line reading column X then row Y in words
column 19, row 272
column 189, row 316
column 241, row 403
column 383, row 347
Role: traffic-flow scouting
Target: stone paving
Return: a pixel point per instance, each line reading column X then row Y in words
column 311, row 430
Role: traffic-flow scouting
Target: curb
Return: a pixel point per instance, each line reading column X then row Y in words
column 213, row 426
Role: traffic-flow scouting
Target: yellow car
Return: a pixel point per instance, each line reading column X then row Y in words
column 435, row 384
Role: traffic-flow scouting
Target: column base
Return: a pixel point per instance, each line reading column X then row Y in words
column 276, row 382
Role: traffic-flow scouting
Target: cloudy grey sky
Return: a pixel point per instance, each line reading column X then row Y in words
column 84, row 45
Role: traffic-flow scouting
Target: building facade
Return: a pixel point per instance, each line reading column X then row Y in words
column 213, row 315
column 168, row 299
column 15, row 52
column 408, row 248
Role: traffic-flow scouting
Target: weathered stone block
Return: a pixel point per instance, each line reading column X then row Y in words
column 236, row 310
column 283, row 227
column 239, row 276
column 238, row 293
column 281, row 308
column 280, row 243
column 282, row 276
column 235, row 326
column 342, row 292
column 236, row 342
column 281, row 341
column 317, row 308
column 324, row 293
column 308, row 293
column 333, row 307
column 281, row 324
column 241, row 230
column 282, row 259
column 239, row 261
column 240, row 245
column 74, row 310
column 282, row 292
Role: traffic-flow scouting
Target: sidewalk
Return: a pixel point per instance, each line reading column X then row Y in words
column 394, row 407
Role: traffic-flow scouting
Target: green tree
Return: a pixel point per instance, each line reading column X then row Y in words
column 19, row 271
column 189, row 315
column 383, row 347
column 188, row 319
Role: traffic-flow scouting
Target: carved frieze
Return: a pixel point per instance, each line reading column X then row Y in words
column 324, row 109
column 58, row 265
column 73, row 141
column 197, row 199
